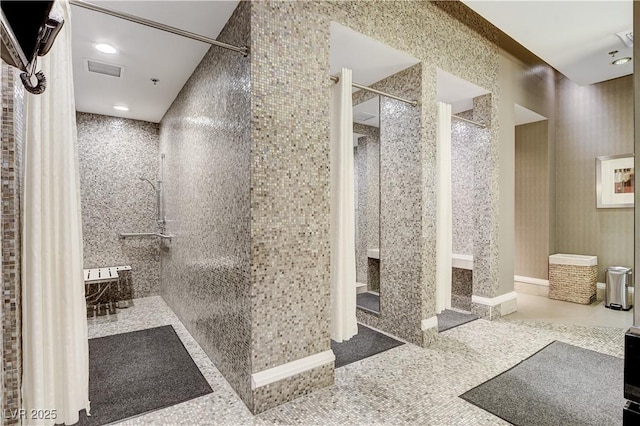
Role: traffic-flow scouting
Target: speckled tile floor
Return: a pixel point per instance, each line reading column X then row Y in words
column 404, row 385
column 540, row 308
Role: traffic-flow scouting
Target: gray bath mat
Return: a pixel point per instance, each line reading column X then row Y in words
column 450, row 319
column 134, row 373
column 366, row 343
column 561, row 384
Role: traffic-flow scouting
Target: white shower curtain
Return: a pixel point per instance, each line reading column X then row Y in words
column 444, row 225
column 54, row 323
column 343, row 252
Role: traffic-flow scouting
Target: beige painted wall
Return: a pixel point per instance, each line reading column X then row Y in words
column 593, row 121
column 533, row 87
column 586, row 122
column 532, row 200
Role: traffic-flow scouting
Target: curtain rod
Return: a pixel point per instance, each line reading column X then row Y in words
column 481, row 125
column 369, row 89
column 146, row 22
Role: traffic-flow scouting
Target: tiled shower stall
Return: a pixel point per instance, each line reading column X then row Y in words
column 247, row 190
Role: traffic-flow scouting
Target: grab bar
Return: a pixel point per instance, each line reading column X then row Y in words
column 124, row 235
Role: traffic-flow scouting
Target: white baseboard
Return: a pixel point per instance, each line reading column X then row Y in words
column 429, row 323
column 462, row 261
column 531, row 289
column 494, row 301
column 529, row 280
column 275, row 374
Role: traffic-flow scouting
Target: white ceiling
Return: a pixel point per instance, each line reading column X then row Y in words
column 368, row 112
column 572, row 36
column 370, row 60
column 144, row 52
column 457, row 92
column 525, row 116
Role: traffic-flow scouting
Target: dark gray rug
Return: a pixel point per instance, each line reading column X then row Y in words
column 449, row 319
column 134, row 373
column 561, row 384
column 366, row 343
column 368, row 302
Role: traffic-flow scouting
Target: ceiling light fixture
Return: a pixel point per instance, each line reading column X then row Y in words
column 621, row 61
column 105, row 48
column 121, row 108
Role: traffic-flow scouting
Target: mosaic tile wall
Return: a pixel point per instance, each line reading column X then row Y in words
column 293, row 387
column 361, row 189
column 373, row 274
column 290, row 250
column 400, row 209
column 205, row 269
column 289, row 81
column 373, row 213
column 276, row 310
column 461, row 288
column 463, row 152
column 485, row 248
column 289, row 190
column 367, row 174
column 431, row 35
column 475, row 214
column 12, row 138
column 113, row 154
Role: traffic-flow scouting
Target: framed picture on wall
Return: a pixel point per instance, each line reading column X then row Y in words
column 614, row 181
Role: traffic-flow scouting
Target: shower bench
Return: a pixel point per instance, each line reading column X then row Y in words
column 107, row 289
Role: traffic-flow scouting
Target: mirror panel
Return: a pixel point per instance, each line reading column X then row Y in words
column 366, row 154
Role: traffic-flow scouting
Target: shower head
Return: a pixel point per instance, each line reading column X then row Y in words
column 148, row 181
column 161, row 222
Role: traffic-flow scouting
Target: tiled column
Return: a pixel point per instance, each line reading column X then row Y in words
column 11, row 169
column 290, row 247
column 206, row 137
column 403, row 292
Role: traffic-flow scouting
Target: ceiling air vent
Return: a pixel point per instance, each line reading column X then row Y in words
column 362, row 116
column 626, row 36
column 102, row 68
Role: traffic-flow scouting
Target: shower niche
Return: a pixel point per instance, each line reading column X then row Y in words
column 469, row 136
column 388, row 168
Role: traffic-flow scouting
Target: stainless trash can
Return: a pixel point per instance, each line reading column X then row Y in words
column 618, row 281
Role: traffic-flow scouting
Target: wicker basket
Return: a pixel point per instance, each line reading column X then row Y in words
column 572, row 278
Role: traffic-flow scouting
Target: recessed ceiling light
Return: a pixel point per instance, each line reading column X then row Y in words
column 105, row 48
column 621, row 61
column 121, row 108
